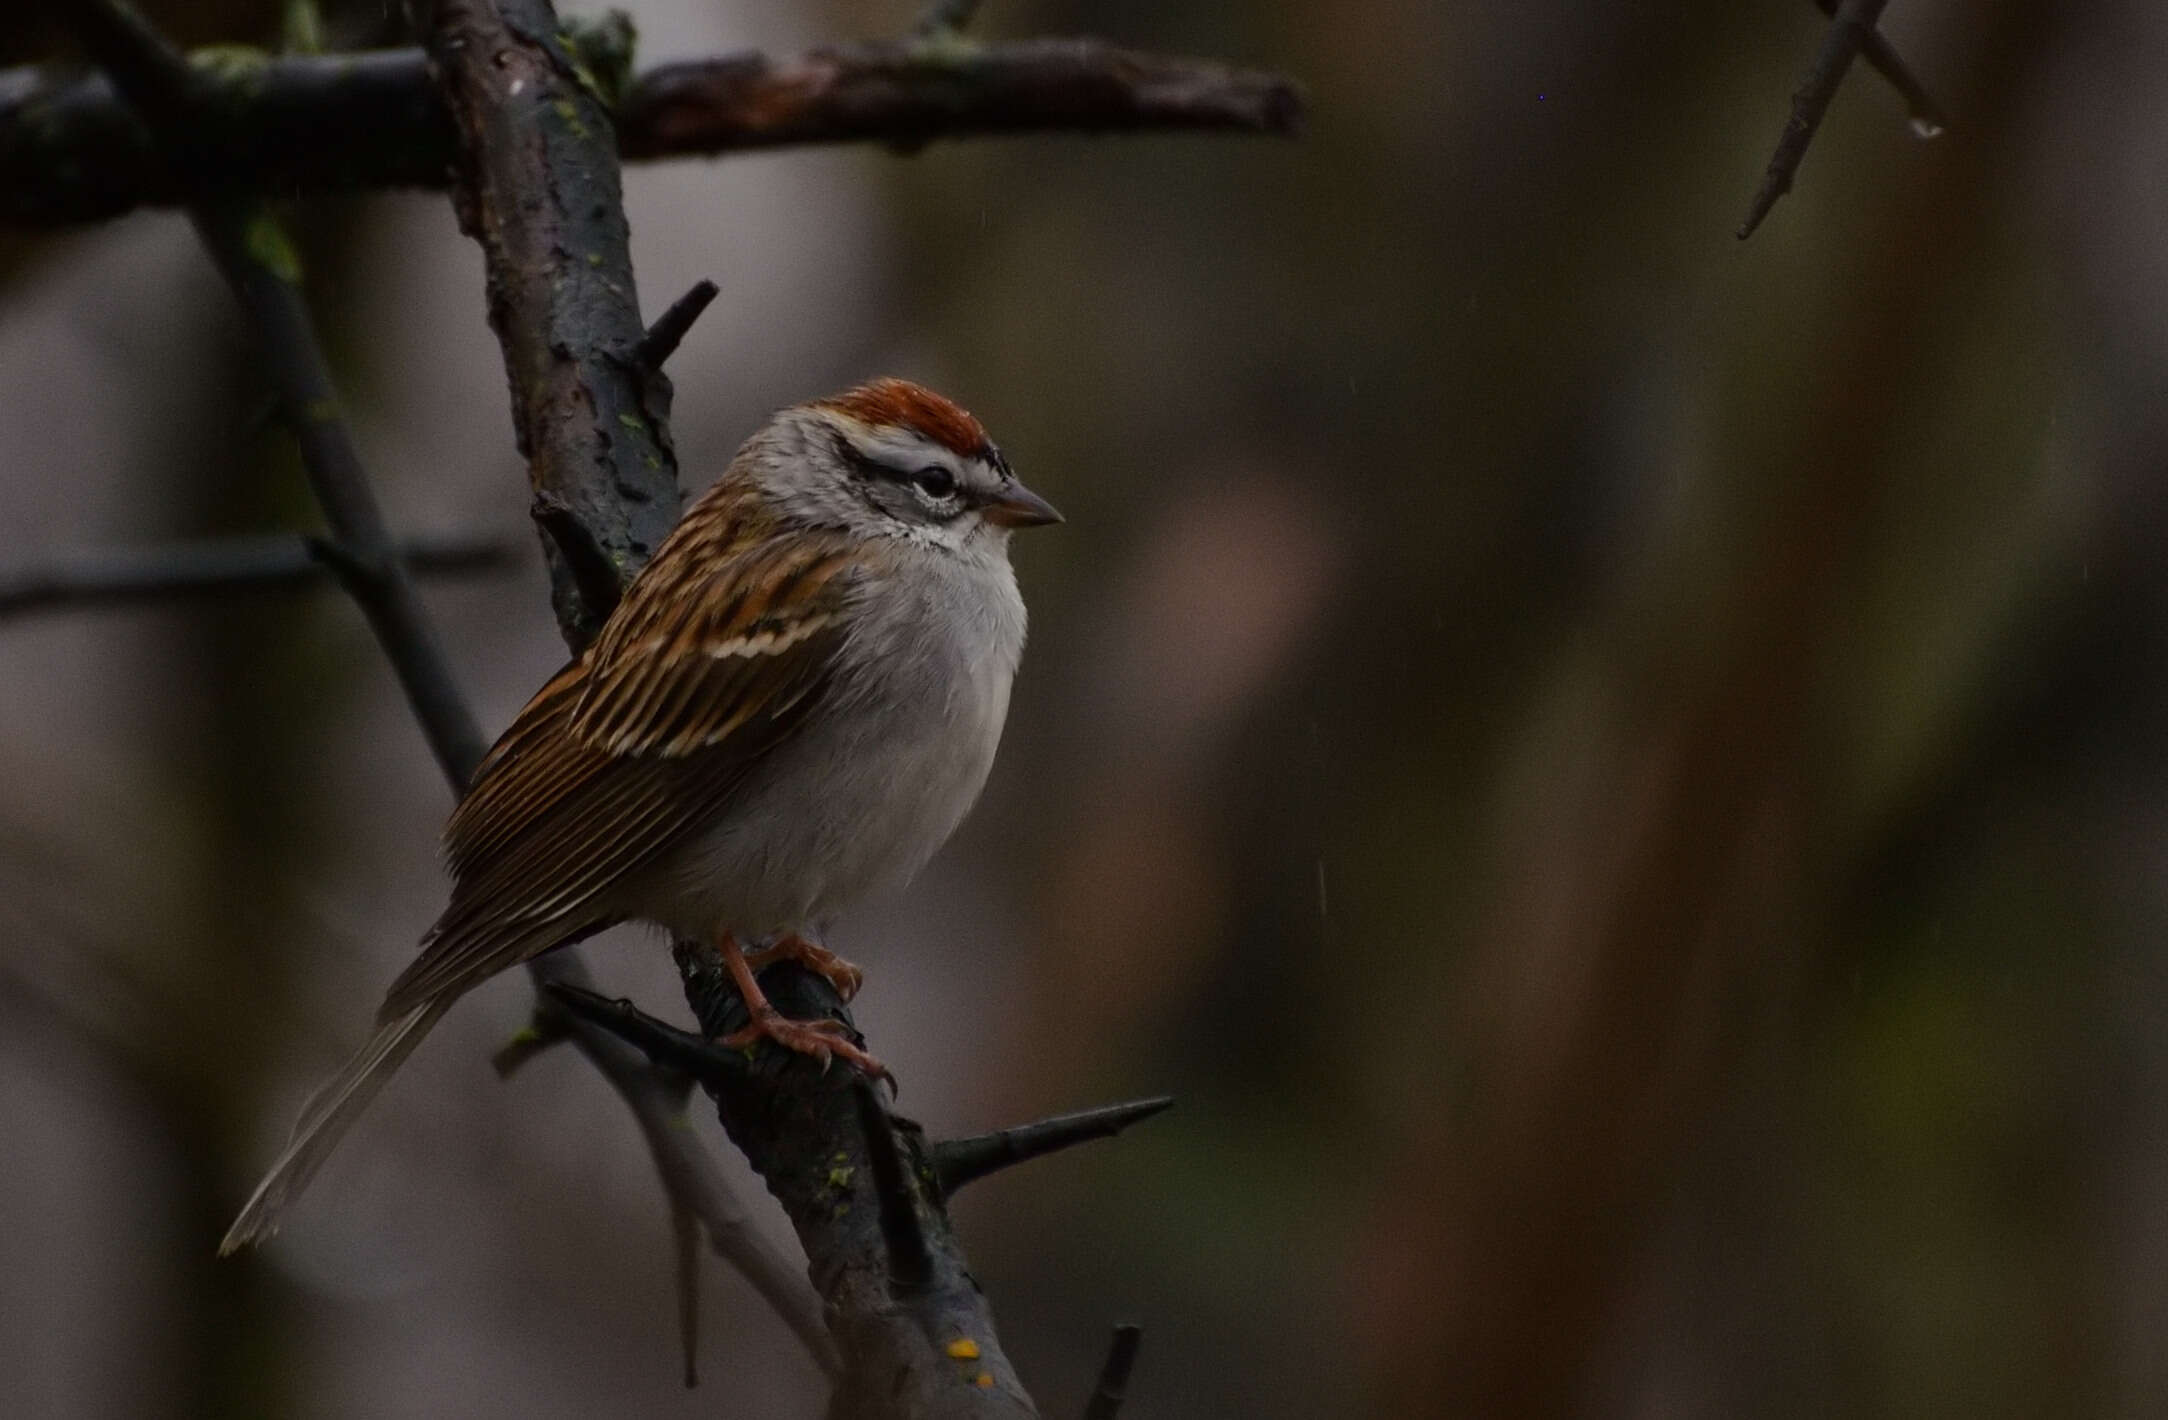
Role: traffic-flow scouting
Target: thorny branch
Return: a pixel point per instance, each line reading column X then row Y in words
column 122, row 576
column 1882, row 57
column 1851, row 29
column 534, row 119
column 866, row 1192
column 71, row 151
column 1113, row 1386
column 957, row 1162
column 251, row 251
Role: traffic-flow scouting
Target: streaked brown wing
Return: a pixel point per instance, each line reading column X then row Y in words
column 684, row 668
column 704, row 667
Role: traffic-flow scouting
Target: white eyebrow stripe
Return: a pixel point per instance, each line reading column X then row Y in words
column 904, row 449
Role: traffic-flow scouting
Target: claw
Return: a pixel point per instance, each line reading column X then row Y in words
column 823, row 1039
column 838, row 973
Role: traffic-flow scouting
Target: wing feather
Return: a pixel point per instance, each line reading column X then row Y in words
column 708, row 663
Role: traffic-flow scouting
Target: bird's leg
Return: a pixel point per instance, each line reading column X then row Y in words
column 837, row 972
column 822, row 1039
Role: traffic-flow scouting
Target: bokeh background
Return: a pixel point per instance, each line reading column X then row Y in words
column 1622, row 777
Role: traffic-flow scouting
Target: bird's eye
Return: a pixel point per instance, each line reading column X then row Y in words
column 935, row 481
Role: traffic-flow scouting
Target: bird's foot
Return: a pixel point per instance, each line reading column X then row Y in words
column 837, row 972
column 823, row 1040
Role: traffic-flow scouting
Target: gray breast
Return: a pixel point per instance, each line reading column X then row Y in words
column 883, row 771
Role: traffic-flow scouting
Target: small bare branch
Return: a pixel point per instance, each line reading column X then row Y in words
column 685, row 1238
column 910, row 94
column 259, row 264
column 1850, row 28
column 253, row 254
column 689, row 1175
column 1920, row 107
column 957, row 1162
column 1113, row 1386
column 157, row 575
column 695, row 1056
column 661, row 340
column 72, row 151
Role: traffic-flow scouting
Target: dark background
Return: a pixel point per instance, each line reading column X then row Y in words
column 1618, row 775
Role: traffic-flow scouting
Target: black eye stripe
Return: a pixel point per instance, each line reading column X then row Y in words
column 933, row 480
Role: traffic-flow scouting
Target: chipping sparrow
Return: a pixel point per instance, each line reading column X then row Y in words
column 795, row 704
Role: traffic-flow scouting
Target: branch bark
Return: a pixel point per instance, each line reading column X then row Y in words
column 916, row 1334
column 537, row 185
column 1852, row 22
column 72, row 151
column 252, row 253
column 539, row 182
column 867, row 1194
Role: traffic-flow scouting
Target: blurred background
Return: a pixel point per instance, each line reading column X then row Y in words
column 1622, row 777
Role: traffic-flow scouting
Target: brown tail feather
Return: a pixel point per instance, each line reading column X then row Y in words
column 330, row 1113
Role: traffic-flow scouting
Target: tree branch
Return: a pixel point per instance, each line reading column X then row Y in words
column 661, row 340
column 125, row 576
column 72, row 151
column 538, row 188
column 1113, row 1387
column 253, row 254
column 916, row 1335
column 1851, row 26
column 957, row 1162
column 1881, row 56
column 770, row 1106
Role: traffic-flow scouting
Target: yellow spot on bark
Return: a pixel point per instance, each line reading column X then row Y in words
column 963, row 1348
column 984, row 1380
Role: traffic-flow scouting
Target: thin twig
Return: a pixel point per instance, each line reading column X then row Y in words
column 690, row 1176
column 537, row 181
column 123, row 576
column 661, row 340
column 1920, row 107
column 957, row 1162
column 253, row 254
column 1854, row 21
column 907, row 95
column 685, row 1239
column 1113, row 1386
column 71, row 151
column 695, row 1056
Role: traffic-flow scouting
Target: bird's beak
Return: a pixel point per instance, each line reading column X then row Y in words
column 1019, row 507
